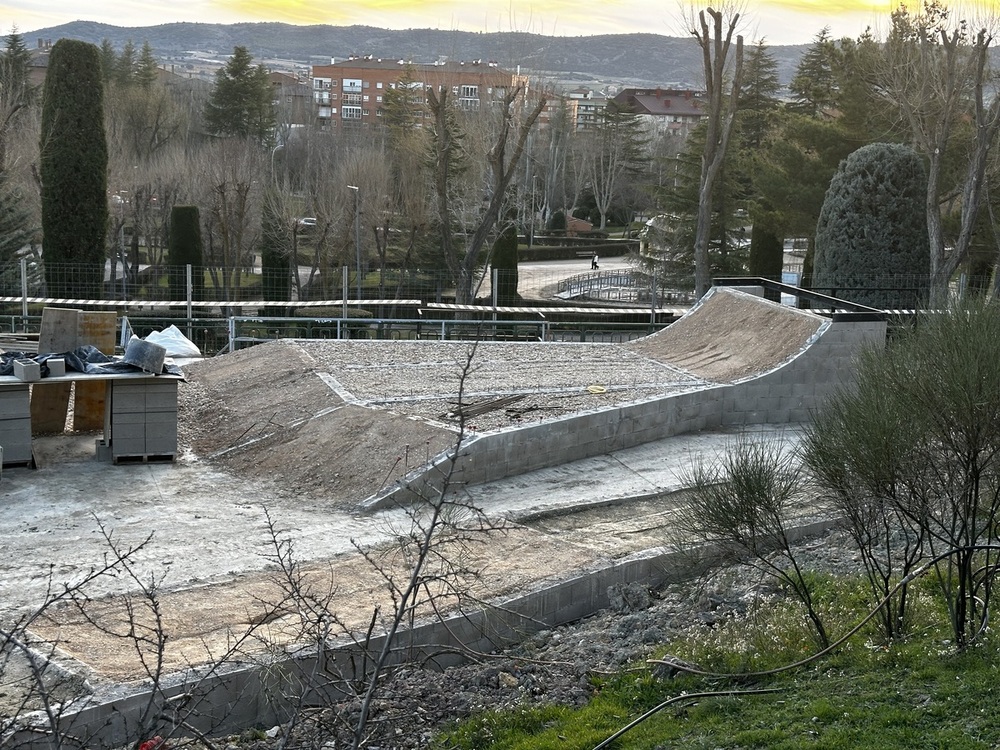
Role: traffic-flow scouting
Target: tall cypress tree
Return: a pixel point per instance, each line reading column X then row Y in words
column 74, row 171
column 504, row 262
column 185, row 248
column 276, row 255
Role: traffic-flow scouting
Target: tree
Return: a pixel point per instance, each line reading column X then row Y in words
column 277, row 251
column 186, row 249
column 615, row 151
column 716, row 45
column 814, row 86
column 16, row 91
column 505, row 147
column 73, row 169
column 918, row 437
column 757, row 123
column 504, row 262
column 15, row 224
column 241, row 104
column 934, row 74
column 146, row 67
column 871, row 239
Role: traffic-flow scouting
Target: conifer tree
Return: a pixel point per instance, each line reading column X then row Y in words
column 185, row 248
column 241, row 104
column 73, row 170
column 504, row 262
column 871, row 239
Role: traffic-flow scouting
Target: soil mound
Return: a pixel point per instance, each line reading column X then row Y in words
column 730, row 336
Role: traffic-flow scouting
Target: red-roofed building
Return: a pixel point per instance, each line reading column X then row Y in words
column 666, row 111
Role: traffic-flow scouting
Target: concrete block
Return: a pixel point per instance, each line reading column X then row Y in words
column 57, row 366
column 127, row 417
column 123, row 401
column 102, row 450
column 126, row 431
column 14, row 404
column 161, row 445
column 27, row 370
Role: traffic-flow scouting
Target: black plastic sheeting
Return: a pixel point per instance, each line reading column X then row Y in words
column 86, row 359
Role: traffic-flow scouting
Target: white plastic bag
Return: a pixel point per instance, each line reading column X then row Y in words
column 175, row 342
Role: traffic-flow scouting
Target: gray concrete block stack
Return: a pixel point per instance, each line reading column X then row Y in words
column 15, row 424
column 143, row 420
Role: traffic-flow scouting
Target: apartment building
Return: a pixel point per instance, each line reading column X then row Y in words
column 351, row 93
column 588, row 107
column 665, row 111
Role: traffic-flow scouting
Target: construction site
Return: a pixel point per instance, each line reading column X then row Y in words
column 576, row 450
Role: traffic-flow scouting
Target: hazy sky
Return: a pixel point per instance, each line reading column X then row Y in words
column 777, row 21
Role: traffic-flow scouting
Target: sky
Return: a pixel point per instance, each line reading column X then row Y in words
column 775, row 21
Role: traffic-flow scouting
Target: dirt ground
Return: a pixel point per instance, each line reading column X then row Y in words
column 309, row 430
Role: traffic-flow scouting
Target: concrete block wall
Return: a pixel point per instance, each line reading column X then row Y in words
column 228, row 699
column 787, row 394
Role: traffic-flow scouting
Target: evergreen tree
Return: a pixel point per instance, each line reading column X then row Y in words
column 757, row 121
column 758, row 97
column 871, row 239
column 16, row 91
column 146, row 67
column 109, row 60
column 73, row 170
column 504, row 262
column 125, row 65
column 241, row 104
column 814, row 86
column 185, row 248
column 15, row 224
column 276, row 255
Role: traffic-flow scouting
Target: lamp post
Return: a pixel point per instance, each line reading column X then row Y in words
column 357, row 234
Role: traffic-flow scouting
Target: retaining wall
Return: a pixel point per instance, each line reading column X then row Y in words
column 225, row 700
column 787, row 394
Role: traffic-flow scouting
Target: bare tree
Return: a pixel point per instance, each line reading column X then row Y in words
column 722, row 87
column 936, row 75
column 233, row 170
column 502, row 160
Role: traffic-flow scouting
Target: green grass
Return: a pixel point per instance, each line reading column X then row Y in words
column 915, row 693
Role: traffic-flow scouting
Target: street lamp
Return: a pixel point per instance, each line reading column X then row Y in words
column 357, row 233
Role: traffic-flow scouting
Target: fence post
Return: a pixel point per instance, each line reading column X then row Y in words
column 24, row 294
column 343, row 296
column 190, row 293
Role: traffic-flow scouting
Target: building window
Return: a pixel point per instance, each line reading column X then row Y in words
column 470, row 92
column 352, row 84
column 350, row 113
column 353, row 99
column 378, row 98
column 378, row 112
column 365, row 97
column 378, row 85
column 367, row 84
column 364, row 112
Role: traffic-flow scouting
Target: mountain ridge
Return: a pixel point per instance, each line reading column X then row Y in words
column 639, row 57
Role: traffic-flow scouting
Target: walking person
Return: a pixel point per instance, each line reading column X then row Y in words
column 593, row 262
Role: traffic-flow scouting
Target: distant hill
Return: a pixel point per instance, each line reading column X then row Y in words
column 638, row 58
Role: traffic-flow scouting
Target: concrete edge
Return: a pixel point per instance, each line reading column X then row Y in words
column 224, row 700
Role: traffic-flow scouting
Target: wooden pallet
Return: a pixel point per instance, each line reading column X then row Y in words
column 144, row 459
